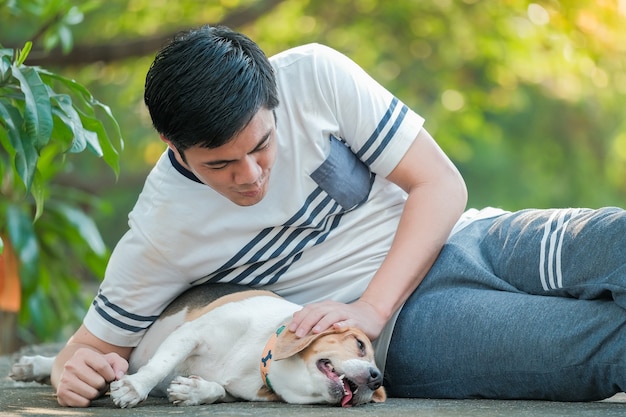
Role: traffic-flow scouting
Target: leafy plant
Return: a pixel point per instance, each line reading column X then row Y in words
column 44, row 119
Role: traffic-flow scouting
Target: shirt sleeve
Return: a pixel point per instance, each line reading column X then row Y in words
column 378, row 127
column 140, row 279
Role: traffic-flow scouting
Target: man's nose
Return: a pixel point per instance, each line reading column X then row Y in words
column 248, row 171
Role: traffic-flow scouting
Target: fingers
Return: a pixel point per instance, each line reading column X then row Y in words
column 72, row 399
column 343, row 324
column 118, row 364
column 319, row 317
column 307, row 319
column 86, row 376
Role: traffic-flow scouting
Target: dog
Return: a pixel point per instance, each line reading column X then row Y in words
column 219, row 343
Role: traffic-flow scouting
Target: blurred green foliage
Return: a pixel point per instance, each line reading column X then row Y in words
column 526, row 97
column 43, row 118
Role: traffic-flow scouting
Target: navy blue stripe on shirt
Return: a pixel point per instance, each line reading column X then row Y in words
column 119, row 310
column 388, row 136
column 275, row 277
column 181, row 169
column 117, row 323
column 296, row 233
column 375, row 136
column 226, row 268
column 280, row 251
column 381, row 125
column 124, row 316
column 278, row 274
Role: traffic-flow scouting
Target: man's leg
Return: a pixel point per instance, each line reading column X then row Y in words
column 467, row 332
column 469, row 343
column 577, row 253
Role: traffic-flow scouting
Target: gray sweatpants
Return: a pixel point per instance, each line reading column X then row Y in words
column 526, row 305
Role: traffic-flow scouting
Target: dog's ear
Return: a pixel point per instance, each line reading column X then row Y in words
column 287, row 344
column 380, row 395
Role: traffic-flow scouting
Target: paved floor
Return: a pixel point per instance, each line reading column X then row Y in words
column 31, row 399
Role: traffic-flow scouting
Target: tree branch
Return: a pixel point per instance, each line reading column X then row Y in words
column 45, row 27
column 88, row 54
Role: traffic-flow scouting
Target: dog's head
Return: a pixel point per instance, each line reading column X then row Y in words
column 335, row 367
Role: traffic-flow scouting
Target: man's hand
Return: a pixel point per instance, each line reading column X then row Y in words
column 87, row 375
column 318, row 317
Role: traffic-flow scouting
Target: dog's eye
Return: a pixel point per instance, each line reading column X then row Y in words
column 361, row 346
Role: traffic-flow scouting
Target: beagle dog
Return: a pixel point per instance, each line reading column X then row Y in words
column 218, row 343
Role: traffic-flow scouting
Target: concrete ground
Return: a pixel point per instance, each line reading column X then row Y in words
column 31, row 399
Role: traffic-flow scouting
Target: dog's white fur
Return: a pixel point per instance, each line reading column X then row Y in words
column 212, row 353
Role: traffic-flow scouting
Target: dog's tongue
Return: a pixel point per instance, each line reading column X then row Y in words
column 347, row 395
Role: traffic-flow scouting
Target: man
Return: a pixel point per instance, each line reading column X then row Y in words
column 304, row 176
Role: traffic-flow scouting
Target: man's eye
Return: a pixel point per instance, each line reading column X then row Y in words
column 217, row 166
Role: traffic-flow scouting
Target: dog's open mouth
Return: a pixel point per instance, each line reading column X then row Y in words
column 349, row 387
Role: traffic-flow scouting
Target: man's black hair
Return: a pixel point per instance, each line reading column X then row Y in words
column 205, row 86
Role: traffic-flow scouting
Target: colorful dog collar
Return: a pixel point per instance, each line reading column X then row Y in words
column 266, row 358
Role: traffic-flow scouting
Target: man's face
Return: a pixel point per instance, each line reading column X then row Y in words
column 240, row 169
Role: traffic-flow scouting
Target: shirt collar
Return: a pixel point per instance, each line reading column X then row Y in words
column 177, row 165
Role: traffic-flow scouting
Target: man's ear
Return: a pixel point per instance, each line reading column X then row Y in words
column 288, row 344
column 173, row 148
column 168, row 142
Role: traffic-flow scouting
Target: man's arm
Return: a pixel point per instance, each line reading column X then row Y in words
column 436, row 199
column 84, row 368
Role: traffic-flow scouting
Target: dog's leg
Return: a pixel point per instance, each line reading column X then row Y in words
column 132, row 389
column 194, row 390
column 32, row 368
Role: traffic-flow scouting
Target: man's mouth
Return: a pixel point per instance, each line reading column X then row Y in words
column 349, row 388
column 250, row 193
column 252, row 190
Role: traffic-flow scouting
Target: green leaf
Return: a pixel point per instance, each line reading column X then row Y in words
column 24, row 240
column 25, row 154
column 61, row 132
column 23, row 53
column 109, row 153
column 64, row 110
column 51, row 39
column 5, row 68
column 84, row 225
column 38, row 192
column 71, row 85
column 38, row 110
column 74, row 16
column 11, row 130
column 107, row 146
column 49, row 164
column 42, row 311
column 117, row 142
column 66, row 39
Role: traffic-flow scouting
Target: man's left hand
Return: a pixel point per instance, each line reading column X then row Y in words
column 318, row 317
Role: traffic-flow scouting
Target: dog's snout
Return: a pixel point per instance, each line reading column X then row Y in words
column 375, row 379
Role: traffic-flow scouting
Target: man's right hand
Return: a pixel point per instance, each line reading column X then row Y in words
column 85, row 367
column 87, row 375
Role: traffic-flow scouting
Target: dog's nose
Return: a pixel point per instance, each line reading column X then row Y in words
column 375, row 380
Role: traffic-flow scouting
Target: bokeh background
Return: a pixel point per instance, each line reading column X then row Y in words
column 527, row 98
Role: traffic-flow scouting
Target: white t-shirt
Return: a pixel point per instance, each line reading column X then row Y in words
column 322, row 230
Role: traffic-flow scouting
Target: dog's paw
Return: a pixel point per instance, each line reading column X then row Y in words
column 194, row 390
column 32, row 369
column 125, row 393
